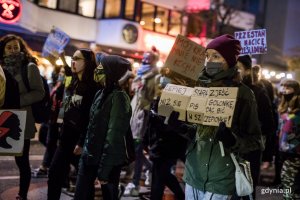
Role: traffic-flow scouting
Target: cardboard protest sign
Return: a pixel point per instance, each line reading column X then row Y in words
column 186, row 59
column 210, row 106
column 55, row 43
column 176, row 96
column 12, row 128
column 252, row 41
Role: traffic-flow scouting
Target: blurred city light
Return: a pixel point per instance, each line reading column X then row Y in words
column 159, row 64
column 59, row 62
column 157, row 20
column 289, row 76
column 136, row 64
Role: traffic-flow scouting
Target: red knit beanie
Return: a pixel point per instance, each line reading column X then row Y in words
column 228, row 47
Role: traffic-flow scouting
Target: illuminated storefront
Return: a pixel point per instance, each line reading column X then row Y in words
column 124, row 27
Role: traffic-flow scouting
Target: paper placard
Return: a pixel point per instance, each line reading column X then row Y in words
column 12, row 126
column 210, row 106
column 186, row 58
column 176, row 96
column 55, row 43
column 252, row 41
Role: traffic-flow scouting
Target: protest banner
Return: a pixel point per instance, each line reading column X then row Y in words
column 55, row 43
column 185, row 60
column 12, row 128
column 252, row 41
column 176, row 96
column 210, row 106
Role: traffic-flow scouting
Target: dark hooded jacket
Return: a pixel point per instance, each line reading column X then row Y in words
column 205, row 168
column 109, row 121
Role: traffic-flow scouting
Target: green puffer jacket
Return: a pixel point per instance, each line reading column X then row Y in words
column 205, row 168
column 109, row 122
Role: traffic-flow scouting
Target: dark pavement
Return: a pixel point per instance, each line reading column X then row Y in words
column 38, row 189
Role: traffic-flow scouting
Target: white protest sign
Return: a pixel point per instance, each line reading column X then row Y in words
column 176, row 96
column 12, row 127
column 55, row 43
column 186, row 58
column 252, row 41
column 210, row 106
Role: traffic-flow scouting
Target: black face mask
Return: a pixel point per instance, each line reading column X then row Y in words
column 288, row 97
column 212, row 68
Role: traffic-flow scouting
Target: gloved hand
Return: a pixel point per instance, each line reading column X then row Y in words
column 173, row 119
column 224, row 135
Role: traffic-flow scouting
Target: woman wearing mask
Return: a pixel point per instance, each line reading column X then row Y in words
column 79, row 98
column 209, row 170
column 15, row 57
column 104, row 151
column 289, row 138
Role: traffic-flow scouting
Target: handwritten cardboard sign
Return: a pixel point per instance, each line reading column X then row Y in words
column 12, row 126
column 55, row 43
column 210, row 106
column 176, row 96
column 186, row 58
column 252, row 41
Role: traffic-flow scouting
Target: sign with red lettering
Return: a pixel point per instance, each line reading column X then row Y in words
column 252, row 41
column 10, row 11
column 186, row 58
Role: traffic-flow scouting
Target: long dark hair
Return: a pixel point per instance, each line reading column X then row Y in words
column 23, row 45
column 88, row 73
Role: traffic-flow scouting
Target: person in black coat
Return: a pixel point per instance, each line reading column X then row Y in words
column 165, row 147
column 79, row 97
column 265, row 115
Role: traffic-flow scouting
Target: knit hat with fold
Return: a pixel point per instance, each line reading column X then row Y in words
column 228, row 47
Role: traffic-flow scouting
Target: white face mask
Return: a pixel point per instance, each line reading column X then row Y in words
column 78, row 64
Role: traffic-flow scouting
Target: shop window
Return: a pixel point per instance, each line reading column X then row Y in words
column 161, row 20
column 68, row 5
column 112, row 8
column 87, row 8
column 175, row 23
column 147, row 18
column 129, row 9
column 48, row 3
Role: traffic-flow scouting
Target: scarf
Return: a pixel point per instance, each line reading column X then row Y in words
column 144, row 69
column 13, row 63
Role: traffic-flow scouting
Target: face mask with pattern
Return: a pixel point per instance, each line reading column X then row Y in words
column 13, row 62
column 99, row 75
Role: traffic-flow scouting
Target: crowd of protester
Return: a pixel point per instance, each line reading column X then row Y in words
column 106, row 116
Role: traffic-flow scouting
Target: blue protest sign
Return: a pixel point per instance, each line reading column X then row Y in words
column 56, row 41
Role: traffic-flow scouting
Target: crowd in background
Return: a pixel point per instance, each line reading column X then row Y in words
column 102, row 115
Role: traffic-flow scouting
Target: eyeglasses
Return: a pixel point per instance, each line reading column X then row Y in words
column 75, row 58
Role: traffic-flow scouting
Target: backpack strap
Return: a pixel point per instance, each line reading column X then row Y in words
column 24, row 74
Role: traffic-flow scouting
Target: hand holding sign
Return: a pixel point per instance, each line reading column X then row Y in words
column 225, row 136
column 165, row 110
column 177, row 97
